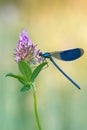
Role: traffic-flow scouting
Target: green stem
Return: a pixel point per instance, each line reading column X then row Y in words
column 35, row 107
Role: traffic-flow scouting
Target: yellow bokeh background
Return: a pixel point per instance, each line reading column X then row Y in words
column 54, row 25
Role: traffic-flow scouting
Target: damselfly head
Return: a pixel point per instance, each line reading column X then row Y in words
column 45, row 55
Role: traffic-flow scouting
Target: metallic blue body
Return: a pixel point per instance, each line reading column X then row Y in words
column 67, row 55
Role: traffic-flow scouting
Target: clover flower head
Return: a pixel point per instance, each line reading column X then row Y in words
column 26, row 50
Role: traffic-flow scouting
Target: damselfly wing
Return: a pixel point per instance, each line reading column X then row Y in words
column 68, row 55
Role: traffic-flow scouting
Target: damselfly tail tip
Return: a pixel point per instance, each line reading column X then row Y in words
column 79, row 88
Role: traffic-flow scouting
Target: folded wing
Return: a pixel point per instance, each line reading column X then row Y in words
column 68, row 55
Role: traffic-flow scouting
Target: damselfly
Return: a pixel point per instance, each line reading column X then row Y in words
column 67, row 55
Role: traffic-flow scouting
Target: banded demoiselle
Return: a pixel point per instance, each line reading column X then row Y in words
column 66, row 55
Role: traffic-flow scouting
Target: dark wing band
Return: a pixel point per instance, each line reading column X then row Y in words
column 68, row 55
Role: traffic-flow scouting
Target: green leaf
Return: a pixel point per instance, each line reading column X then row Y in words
column 25, row 88
column 25, row 69
column 37, row 71
column 20, row 78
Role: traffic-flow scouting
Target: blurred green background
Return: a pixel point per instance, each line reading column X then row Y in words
column 52, row 25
